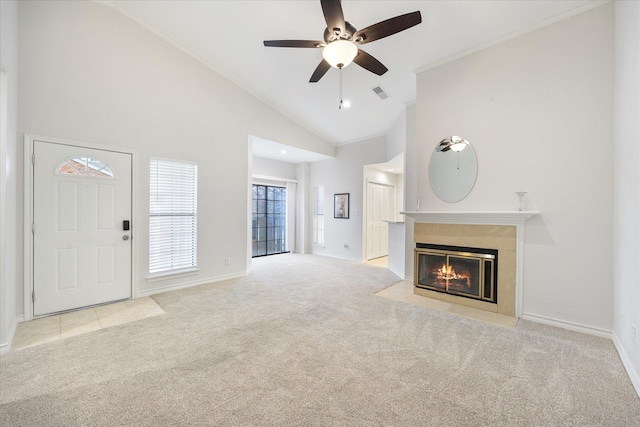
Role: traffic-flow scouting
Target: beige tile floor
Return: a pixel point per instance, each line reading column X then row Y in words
column 382, row 262
column 60, row 326
column 403, row 291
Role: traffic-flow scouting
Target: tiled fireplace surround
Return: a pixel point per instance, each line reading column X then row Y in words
column 500, row 237
column 503, row 231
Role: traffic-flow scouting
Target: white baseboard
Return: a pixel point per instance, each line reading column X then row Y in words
column 567, row 325
column 11, row 332
column 397, row 273
column 626, row 362
column 149, row 292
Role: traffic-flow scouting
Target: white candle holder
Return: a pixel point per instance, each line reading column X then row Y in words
column 521, row 200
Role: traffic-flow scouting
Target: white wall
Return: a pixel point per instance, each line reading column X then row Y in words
column 538, row 111
column 344, row 174
column 411, row 187
column 397, row 136
column 304, row 209
column 401, row 140
column 10, row 265
column 400, row 196
column 395, row 260
column 89, row 73
column 273, row 168
column 396, row 146
column 626, row 249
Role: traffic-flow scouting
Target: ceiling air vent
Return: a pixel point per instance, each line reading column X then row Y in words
column 378, row 90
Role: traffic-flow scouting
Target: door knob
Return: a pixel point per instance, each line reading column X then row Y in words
column 125, row 237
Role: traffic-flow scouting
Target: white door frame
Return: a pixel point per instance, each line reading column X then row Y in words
column 4, row 101
column 28, row 211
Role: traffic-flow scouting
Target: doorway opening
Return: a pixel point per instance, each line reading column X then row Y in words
column 381, row 208
column 269, row 220
column 383, row 200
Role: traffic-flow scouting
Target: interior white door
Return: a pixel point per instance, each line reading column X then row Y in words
column 82, row 250
column 380, row 208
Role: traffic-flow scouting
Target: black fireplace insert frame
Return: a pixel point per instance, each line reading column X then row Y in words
column 461, row 250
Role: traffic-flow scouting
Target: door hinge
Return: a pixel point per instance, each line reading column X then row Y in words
column 33, row 296
column 33, row 159
column 33, row 228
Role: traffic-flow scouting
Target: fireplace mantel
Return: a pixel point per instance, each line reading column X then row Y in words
column 472, row 217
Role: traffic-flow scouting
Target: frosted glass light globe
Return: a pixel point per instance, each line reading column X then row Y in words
column 340, row 53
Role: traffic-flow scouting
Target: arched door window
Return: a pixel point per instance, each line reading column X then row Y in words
column 85, row 167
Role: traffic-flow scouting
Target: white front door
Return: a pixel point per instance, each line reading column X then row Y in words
column 82, row 252
column 380, row 208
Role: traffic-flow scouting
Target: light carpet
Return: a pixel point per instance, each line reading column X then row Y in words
column 304, row 340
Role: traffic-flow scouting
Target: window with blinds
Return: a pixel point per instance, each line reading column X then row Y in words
column 318, row 215
column 173, row 200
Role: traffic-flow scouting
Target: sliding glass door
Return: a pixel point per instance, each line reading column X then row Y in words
column 269, row 220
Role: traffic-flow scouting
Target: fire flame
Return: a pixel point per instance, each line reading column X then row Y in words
column 447, row 272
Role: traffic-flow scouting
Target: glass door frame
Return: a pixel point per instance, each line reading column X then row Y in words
column 269, row 220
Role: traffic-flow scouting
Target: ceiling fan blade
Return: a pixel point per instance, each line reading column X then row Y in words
column 387, row 27
column 370, row 63
column 320, row 71
column 332, row 10
column 294, row 43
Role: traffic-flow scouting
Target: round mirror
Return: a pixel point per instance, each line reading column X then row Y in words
column 453, row 169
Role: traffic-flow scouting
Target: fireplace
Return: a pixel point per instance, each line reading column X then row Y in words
column 462, row 271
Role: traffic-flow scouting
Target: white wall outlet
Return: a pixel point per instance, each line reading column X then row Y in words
column 227, row 261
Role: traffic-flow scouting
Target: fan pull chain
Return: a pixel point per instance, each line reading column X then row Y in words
column 340, row 85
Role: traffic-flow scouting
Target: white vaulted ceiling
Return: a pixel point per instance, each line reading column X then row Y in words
column 228, row 36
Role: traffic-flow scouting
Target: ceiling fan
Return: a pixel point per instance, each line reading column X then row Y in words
column 341, row 40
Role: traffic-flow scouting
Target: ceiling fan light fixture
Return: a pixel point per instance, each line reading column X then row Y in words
column 340, row 53
column 341, row 40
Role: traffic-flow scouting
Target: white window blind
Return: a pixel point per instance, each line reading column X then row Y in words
column 318, row 215
column 173, row 204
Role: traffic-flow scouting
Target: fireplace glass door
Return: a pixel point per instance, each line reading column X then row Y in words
column 454, row 272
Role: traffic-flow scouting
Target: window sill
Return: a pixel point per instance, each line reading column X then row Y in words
column 171, row 274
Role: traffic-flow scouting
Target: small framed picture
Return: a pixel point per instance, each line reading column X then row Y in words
column 341, row 205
